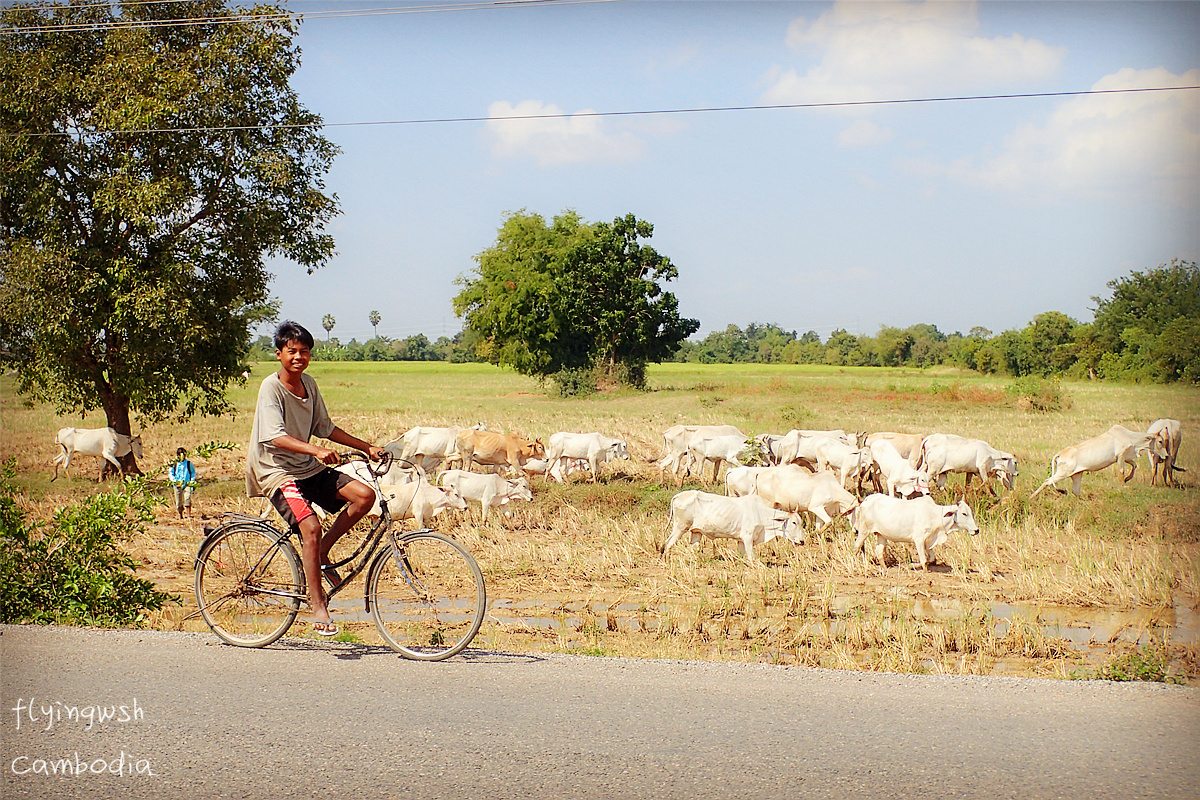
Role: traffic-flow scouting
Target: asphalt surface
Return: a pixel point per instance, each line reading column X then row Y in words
column 302, row 719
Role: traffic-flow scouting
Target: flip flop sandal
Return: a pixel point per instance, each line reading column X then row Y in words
column 325, row 628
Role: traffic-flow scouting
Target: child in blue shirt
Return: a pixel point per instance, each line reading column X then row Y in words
column 183, row 477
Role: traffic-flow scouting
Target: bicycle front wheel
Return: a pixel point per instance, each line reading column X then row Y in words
column 249, row 585
column 427, row 596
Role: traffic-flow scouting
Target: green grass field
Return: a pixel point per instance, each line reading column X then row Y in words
column 1053, row 586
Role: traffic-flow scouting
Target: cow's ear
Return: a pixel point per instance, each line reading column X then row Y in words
column 950, row 513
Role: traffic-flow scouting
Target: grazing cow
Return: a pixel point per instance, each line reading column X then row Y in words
column 739, row 481
column 801, row 446
column 407, row 493
column 920, row 521
column 103, row 442
column 901, row 477
column 943, row 453
column 847, row 459
column 557, row 471
column 488, row 448
column 676, row 440
column 715, row 447
column 594, row 448
column 748, row 519
column 1169, row 434
column 489, row 490
column 427, row 447
column 793, row 489
column 906, row 444
column 770, row 448
column 1118, row 445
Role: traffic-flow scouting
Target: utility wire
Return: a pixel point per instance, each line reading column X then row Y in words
column 698, row 110
column 234, row 17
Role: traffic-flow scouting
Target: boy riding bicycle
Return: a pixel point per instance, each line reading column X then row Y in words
column 282, row 464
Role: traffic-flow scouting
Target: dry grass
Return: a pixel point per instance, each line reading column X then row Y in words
column 579, row 570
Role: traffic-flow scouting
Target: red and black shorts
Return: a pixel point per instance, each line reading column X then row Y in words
column 294, row 499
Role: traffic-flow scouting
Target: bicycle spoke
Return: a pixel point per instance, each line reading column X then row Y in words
column 248, row 587
column 428, row 603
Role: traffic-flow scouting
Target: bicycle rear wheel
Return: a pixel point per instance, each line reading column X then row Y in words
column 427, row 596
column 249, row 585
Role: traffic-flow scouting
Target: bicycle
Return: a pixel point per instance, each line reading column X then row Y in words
column 423, row 589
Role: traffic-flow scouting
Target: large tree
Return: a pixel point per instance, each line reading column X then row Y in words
column 147, row 170
column 570, row 295
column 1150, row 328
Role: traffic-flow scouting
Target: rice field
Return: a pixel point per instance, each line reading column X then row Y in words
column 1057, row 586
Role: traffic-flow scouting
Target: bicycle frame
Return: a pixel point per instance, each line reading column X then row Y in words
column 367, row 547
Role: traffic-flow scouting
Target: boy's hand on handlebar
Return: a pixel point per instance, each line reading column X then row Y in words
column 327, row 456
column 376, row 453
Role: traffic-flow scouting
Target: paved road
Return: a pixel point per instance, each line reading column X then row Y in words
column 318, row 719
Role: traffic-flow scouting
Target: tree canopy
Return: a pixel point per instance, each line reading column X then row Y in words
column 146, row 173
column 571, row 296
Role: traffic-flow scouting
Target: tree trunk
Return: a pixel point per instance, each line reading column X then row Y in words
column 116, row 410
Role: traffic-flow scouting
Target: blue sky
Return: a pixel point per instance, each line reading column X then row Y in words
column 958, row 214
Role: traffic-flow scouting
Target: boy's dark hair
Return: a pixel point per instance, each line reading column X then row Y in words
column 289, row 331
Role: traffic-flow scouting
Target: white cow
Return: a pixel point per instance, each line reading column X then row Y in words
column 794, row 489
column 920, row 521
column 594, row 448
column 835, row 454
column 490, row 490
column 770, row 448
column 676, row 440
column 1118, row 445
column 739, row 481
column 901, row 478
column 1170, row 435
column 943, row 453
column 798, row 445
column 747, row 519
column 557, row 471
column 103, row 442
column 407, row 493
column 715, row 447
column 427, row 447
column 906, row 444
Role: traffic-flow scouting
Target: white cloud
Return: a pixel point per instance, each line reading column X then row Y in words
column 879, row 51
column 558, row 138
column 864, row 133
column 1132, row 145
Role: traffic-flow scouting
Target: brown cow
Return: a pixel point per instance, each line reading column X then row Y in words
column 496, row 449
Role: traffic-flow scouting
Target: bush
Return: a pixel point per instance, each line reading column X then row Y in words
column 74, row 573
column 574, row 382
column 1038, row 394
column 1146, row 664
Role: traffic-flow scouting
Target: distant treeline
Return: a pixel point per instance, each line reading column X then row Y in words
column 1148, row 331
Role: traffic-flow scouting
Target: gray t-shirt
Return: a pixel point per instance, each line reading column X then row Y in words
column 280, row 412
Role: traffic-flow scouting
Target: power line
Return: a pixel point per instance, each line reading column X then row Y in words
column 233, row 17
column 663, row 111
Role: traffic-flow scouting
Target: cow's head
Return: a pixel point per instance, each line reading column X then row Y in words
column 519, row 489
column 532, row 448
column 619, row 449
column 135, row 444
column 960, row 517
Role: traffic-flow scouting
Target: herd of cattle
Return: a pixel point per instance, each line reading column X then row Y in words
column 801, row 472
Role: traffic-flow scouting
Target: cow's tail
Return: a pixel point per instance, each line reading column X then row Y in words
column 59, row 459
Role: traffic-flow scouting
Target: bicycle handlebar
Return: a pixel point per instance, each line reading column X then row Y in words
column 378, row 470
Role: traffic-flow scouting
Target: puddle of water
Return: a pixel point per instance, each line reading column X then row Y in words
column 1083, row 629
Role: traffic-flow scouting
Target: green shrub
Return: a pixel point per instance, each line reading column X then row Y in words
column 1145, row 664
column 574, row 382
column 74, row 572
column 1038, row 394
